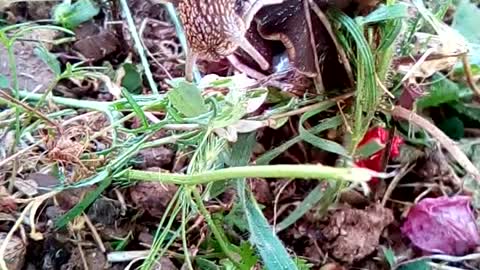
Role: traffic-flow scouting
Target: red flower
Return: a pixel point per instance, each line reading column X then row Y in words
column 374, row 162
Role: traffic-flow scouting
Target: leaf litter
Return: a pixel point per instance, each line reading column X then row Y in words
column 93, row 159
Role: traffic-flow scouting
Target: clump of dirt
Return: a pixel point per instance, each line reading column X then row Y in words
column 14, row 255
column 152, row 197
column 353, row 234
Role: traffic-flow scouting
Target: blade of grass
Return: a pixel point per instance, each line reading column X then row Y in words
column 326, row 145
column 367, row 94
column 105, row 181
column 273, row 253
column 138, row 46
column 318, row 194
column 136, row 108
column 267, row 157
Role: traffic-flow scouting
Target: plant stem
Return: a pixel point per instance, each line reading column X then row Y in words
column 443, row 139
column 261, row 171
column 213, row 227
column 138, row 46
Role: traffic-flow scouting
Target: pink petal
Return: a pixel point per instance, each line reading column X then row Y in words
column 443, row 225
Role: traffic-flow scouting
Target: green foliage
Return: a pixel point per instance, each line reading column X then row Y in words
column 471, row 111
column 247, row 255
column 466, row 21
column 72, row 15
column 273, row 253
column 327, row 145
column 303, row 264
column 389, row 256
column 367, row 93
column 186, row 98
column 49, row 59
column 442, row 91
column 4, row 83
column 136, row 108
column 384, row 13
column 236, row 218
column 132, row 79
column 452, row 127
column 418, row 265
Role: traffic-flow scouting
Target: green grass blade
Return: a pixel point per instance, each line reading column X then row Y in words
column 367, row 94
column 271, row 250
column 136, row 108
column 317, row 195
column 384, row 13
column 326, row 145
column 105, row 181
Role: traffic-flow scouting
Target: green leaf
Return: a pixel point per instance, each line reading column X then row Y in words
column 49, row 59
column 473, row 112
column 453, row 127
column 326, row 145
column 186, row 98
column 418, row 265
column 303, row 264
column 71, row 15
column 4, row 83
column 389, row 256
column 317, row 195
column 136, row 108
column 247, row 254
column 271, row 250
column 236, row 217
column 466, row 21
column 442, row 91
column 204, row 264
column 369, row 148
column 367, row 93
column 384, row 13
column 86, row 202
column 132, row 80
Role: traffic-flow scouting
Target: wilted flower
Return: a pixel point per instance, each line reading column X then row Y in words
column 443, row 225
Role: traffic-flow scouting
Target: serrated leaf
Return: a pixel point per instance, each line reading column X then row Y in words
column 186, row 98
column 49, row 59
column 247, row 254
column 4, row 83
column 72, row 15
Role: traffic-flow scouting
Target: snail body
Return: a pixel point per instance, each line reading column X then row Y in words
column 215, row 29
